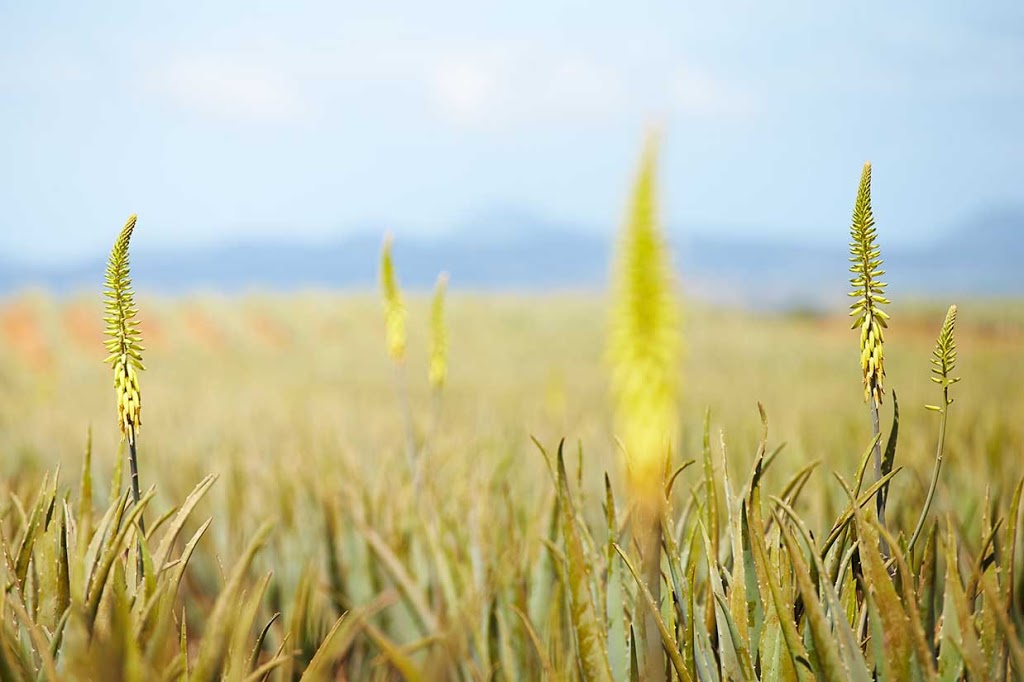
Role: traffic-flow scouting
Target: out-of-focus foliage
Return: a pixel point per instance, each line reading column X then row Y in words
column 471, row 578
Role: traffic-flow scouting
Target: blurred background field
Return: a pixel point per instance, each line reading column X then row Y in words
column 296, row 390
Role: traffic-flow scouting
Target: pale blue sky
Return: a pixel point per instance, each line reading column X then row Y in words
column 217, row 121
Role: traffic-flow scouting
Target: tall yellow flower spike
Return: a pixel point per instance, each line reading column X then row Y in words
column 438, row 370
column 866, row 263
column 125, row 342
column 944, row 358
column 394, row 309
column 644, row 337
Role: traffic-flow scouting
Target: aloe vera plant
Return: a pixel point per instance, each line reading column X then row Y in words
column 943, row 363
column 870, row 319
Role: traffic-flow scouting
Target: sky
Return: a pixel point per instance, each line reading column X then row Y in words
column 227, row 121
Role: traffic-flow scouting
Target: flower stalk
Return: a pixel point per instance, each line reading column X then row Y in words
column 395, row 337
column 644, row 345
column 869, row 292
column 124, row 343
column 943, row 363
column 437, row 371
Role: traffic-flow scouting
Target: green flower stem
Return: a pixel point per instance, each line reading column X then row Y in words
column 133, row 463
column 935, row 474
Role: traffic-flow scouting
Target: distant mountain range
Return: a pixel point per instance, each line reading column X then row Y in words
column 508, row 250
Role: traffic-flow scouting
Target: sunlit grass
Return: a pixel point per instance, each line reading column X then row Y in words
column 290, row 401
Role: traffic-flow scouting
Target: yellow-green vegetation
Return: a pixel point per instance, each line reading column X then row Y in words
column 288, row 540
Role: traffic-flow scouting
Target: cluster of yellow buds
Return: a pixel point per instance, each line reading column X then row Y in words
column 129, row 400
column 872, row 358
column 944, row 360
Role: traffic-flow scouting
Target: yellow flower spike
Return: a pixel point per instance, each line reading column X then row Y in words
column 866, row 263
column 943, row 363
column 438, row 370
column 124, row 341
column 124, row 344
column 644, row 338
column 394, row 309
column 944, row 355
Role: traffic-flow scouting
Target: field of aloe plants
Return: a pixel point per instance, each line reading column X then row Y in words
column 329, row 486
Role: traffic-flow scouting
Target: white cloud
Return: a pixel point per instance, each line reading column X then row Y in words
column 465, row 92
column 515, row 87
column 697, row 93
column 511, row 87
column 482, row 88
column 229, row 88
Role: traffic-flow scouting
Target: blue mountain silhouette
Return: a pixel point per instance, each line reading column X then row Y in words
column 509, row 249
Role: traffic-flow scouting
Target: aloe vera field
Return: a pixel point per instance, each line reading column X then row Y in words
column 619, row 485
